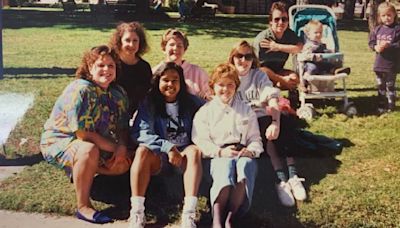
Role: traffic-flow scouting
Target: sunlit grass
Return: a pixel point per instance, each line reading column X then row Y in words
column 356, row 188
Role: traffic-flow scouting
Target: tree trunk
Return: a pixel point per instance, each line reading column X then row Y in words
column 373, row 19
column 349, row 9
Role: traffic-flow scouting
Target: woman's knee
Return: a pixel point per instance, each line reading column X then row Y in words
column 87, row 150
column 193, row 154
column 144, row 157
column 143, row 153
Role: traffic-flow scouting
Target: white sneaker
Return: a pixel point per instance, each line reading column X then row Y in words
column 137, row 220
column 285, row 195
column 188, row 220
column 298, row 190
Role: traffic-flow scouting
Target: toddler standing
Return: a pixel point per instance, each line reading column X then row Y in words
column 385, row 41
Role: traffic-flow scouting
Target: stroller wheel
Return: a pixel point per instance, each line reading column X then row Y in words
column 306, row 112
column 350, row 110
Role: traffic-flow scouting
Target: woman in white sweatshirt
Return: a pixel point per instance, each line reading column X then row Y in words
column 226, row 130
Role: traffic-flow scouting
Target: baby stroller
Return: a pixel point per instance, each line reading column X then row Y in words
column 320, row 86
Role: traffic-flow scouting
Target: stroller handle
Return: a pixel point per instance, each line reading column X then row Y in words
column 292, row 11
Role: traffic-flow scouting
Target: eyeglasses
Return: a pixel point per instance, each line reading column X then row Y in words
column 283, row 19
column 247, row 57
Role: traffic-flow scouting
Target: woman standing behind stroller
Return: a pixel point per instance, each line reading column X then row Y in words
column 276, row 129
column 130, row 43
column 226, row 130
column 385, row 41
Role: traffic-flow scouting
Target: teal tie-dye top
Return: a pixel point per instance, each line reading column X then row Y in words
column 83, row 106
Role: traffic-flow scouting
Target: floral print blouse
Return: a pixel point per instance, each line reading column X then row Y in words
column 83, row 106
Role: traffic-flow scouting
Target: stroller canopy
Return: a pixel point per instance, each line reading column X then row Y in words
column 302, row 16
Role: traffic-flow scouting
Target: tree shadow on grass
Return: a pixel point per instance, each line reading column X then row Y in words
column 24, row 72
column 365, row 105
column 218, row 27
column 356, row 25
column 21, row 161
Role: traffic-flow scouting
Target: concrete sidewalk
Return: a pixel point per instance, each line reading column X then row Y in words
column 11, row 219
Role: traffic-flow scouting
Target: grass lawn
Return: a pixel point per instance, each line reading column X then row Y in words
column 358, row 187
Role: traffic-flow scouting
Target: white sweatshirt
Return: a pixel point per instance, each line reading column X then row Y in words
column 216, row 124
column 256, row 90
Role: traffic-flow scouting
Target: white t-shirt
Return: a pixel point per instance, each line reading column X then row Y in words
column 175, row 130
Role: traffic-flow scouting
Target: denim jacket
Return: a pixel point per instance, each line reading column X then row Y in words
column 150, row 129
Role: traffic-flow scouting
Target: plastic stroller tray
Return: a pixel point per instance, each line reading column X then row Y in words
column 329, row 77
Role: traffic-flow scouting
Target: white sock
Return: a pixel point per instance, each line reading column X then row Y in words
column 190, row 203
column 137, row 204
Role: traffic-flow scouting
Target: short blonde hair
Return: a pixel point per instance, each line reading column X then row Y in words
column 174, row 33
column 312, row 24
column 224, row 70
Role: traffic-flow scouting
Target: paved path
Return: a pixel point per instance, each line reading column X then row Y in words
column 7, row 171
column 10, row 219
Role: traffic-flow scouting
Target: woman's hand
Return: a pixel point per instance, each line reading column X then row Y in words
column 174, row 157
column 119, row 163
column 272, row 132
column 246, row 153
column 229, row 152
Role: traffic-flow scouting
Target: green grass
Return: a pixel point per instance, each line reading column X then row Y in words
column 356, row 188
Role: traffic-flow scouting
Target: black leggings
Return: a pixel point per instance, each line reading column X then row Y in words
column 285, row 141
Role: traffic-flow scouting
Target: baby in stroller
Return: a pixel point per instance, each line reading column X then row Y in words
column 313, row 45
column 320, row 64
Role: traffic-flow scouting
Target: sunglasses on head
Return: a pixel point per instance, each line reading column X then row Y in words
column 247, row 57
column 283, row 19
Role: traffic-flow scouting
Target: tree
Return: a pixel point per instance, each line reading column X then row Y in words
column 349, row 6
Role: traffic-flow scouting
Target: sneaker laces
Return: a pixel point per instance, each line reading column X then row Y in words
column 188, row 220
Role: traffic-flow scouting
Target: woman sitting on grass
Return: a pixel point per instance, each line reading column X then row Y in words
column 277, row 129
column 163, row 128
column 87, row 129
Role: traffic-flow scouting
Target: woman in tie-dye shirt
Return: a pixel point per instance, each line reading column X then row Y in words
column 87, row 129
